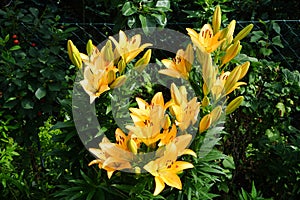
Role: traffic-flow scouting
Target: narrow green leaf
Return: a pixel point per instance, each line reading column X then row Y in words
column 14, row 48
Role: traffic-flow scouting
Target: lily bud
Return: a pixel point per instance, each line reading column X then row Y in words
column 244, row 69
column 89, row 47
column 121, row 66
column 175, row 94
column 231, row 52
column 108, row 52
column 205, row 89
column 234, row 104
column 143, row 62
column 208, row 71
column 132, row 146
column 189, row 57
column 216, row 114
column 111, row 76
column 118, row 82
column 167, row 122
column 205, row 123
column 205, row 101
column 74, row 54
column 243, row 33
column 232, row 79
column 216, row 21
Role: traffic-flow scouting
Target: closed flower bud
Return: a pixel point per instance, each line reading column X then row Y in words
column 132, row 146
column 108, row 52
column 205, row 123
column 234, row 104
column 143, row 62
column 243, row 33
column 121, row 66
column 111, row 76
column 74, row 54
column 244, row 69
column 205, row 101
column 216, row 21
column 232, row 79
column 167, row 122
column 118, row 82
column 231, row 52
column 89, row 47
column 216, row 114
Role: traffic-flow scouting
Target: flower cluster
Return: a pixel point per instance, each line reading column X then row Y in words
column 158, row 126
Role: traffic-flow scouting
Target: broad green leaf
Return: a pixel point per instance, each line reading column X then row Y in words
column 128, row 9
column 265, row 51
column 257, row 35
column 131, row 21
column 253, row 191
column 27, row 104
column 277, row 41
column 160, row 19
column 276, row 28
column 228, row 162
column 40, row 93
column 146, row 22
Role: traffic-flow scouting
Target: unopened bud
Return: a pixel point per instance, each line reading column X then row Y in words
column 244, row 69
column 205, row 101
column 234, row 104
column 132, row 146
column 74, row 54
column 89, row 47
column 216, row 114
column 216, row 21
column 121, row 65
column 111, row 76
column 108, row 52
column 231, row 52
column 243, row 33
column 118, row 82
column 205, row 123
column 143, row 62
column 232, row 79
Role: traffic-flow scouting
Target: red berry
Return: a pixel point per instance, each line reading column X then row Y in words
column 33, row 44
column 39, row 113
column 14, row 36
column 16, row 42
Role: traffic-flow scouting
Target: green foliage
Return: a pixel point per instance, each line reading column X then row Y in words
column 266, row 142
column 254, row 195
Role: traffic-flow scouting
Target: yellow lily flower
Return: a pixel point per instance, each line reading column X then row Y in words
column 165, row 169
column 227, row 82
column 206, row 40
column 128, row 49
column 94, row 83
column 186, row 112
column 112, row 157
column 99, row 161
column 181, row 65
column 149, row 131
column 141, row 115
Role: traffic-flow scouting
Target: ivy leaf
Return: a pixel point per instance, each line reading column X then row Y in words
column 147, row 23
column 277, row 41
column 276, row 28
column 128, row 9
column 40, row 93
column 27, row 104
